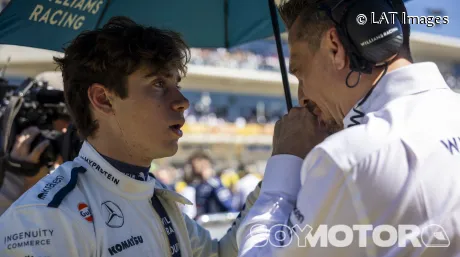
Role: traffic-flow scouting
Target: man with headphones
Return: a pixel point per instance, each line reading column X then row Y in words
column 368, row 165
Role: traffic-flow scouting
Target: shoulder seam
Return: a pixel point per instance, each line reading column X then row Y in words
column 64, row 191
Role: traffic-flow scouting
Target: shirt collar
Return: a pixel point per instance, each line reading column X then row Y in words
column 405, row 81
column 111, row 178
column 117, row 182
column 130, row 170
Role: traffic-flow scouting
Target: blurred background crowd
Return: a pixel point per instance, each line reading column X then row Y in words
column 257, row 59
column 212, row 189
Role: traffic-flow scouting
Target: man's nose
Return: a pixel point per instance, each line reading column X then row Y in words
column 301, row 96
column 181, row 104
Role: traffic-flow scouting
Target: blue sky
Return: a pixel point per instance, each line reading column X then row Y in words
column 448, row 7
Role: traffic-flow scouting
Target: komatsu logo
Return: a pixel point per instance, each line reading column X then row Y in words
column 120, row 247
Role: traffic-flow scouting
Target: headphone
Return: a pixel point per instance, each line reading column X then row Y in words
column 369, row 40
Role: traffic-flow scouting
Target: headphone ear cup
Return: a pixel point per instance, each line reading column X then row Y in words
column 357, row 63
column 375, row 40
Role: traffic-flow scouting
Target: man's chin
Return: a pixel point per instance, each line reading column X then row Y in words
column 170, row 150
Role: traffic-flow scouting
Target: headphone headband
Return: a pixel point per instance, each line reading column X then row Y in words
column 368, row 43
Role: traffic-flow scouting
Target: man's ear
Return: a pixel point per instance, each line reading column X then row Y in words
column 100, row 99
column 337, row 51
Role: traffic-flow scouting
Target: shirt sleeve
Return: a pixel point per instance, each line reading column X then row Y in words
column 336, row 210
column 290, row 205
column 43, row 231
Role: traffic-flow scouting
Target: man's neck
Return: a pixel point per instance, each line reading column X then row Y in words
column 119, row 161
column 399, row 63
column 113, row 150
column 367, row 83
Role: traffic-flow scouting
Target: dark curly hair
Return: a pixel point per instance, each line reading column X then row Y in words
column 108, row 56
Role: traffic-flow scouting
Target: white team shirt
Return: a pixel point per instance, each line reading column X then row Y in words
column 399, row 165
column 88, row 208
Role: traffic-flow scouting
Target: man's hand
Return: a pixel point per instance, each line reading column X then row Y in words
column 297, row 133
column 21, row 152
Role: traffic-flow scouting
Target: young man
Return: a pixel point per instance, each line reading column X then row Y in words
column 388, row 183
column 121, row 85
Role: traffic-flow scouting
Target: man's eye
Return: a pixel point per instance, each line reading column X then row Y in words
column 159, row 83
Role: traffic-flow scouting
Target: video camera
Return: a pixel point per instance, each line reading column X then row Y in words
column 34, row 103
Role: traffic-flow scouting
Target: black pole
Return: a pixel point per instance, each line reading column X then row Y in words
column 276, row 30
column 227, row 44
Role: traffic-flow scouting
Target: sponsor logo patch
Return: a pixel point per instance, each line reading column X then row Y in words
column 37, row 237
column 85, row 212
column 42, row 195
column 113, row 215
column 97, row 167
column 128, row 243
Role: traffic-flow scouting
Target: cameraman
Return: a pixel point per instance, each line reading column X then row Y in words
column 14, row 185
